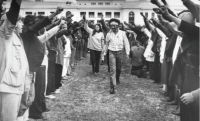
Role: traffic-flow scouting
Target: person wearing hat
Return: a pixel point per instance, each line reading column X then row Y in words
column 115, row 42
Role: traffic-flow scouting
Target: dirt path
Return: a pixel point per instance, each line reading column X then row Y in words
column 85, row 97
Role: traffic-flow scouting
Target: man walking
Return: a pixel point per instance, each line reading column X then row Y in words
column 116, row 40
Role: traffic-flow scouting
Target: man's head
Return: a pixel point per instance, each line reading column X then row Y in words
column 186, row 16
column 29, row 20
column 114, row 24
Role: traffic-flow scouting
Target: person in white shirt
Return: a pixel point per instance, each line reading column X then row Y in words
column 116, row 40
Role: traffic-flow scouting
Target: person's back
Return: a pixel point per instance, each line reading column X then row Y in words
column 137, row 58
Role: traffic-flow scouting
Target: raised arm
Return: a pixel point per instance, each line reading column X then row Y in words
column 86, row 27
column 45, row 21
column 47, row 35
column 162, row 28
column 10, row 19
column 13, row 12
column 104, row 27
column 53, row 25
column 105, row 49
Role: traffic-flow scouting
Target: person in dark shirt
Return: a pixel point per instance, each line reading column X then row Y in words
column 186, row 65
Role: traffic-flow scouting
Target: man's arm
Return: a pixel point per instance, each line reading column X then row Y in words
column 105, row 49
column 127, row 45
column 10, row 20
column 104, row 27
column 53, row 25
column 86, row 27
column 13, row 12
column 45, row 21
column 47, row 35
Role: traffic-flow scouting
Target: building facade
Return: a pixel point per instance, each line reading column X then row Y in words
column 124, row 10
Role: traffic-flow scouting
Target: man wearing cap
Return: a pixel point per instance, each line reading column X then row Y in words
column 116, row 40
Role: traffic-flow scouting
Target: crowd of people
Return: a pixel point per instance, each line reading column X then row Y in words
column 39, row 52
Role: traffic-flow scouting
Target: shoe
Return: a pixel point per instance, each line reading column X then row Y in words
column 69, row 75
column 176, row 112
column 172, row 103
column 58, row 89
column 165, row 94
column 117, row 82
column 50, row 97
column 56, row 92
column 112, row 90
column 36, row 117
column 47, row 110
column 65, row 77
column 169, row 100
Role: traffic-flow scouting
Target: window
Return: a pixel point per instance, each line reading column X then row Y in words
column 107, row 3
column 40, row 13
column 146, row 14
column 131, row 17
column 29, row 13
column 82, row 13
column 153, row 15
column 68, row 2
column 108, row 14
column 38, row 0
column 99, row 15
column 93, row 3
column 52, row 12
column 91, row 14
column 117, row 15
column 100, row 3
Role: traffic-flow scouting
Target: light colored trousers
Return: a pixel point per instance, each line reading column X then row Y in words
column 45, row 63
column 9, row 106
column 65, row 66
column 115, row 61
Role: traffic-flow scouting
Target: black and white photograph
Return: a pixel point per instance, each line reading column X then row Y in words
column 99, row 60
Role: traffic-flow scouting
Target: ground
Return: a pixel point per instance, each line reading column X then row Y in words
column 85, row 97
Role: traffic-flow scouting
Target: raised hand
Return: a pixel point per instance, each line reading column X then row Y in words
column 161, row 19
column 164, row 1
column 157, row 10
column 165, row 11
column 154, row 2
column 155, row 22
column 84, row 18
column 62, row 23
